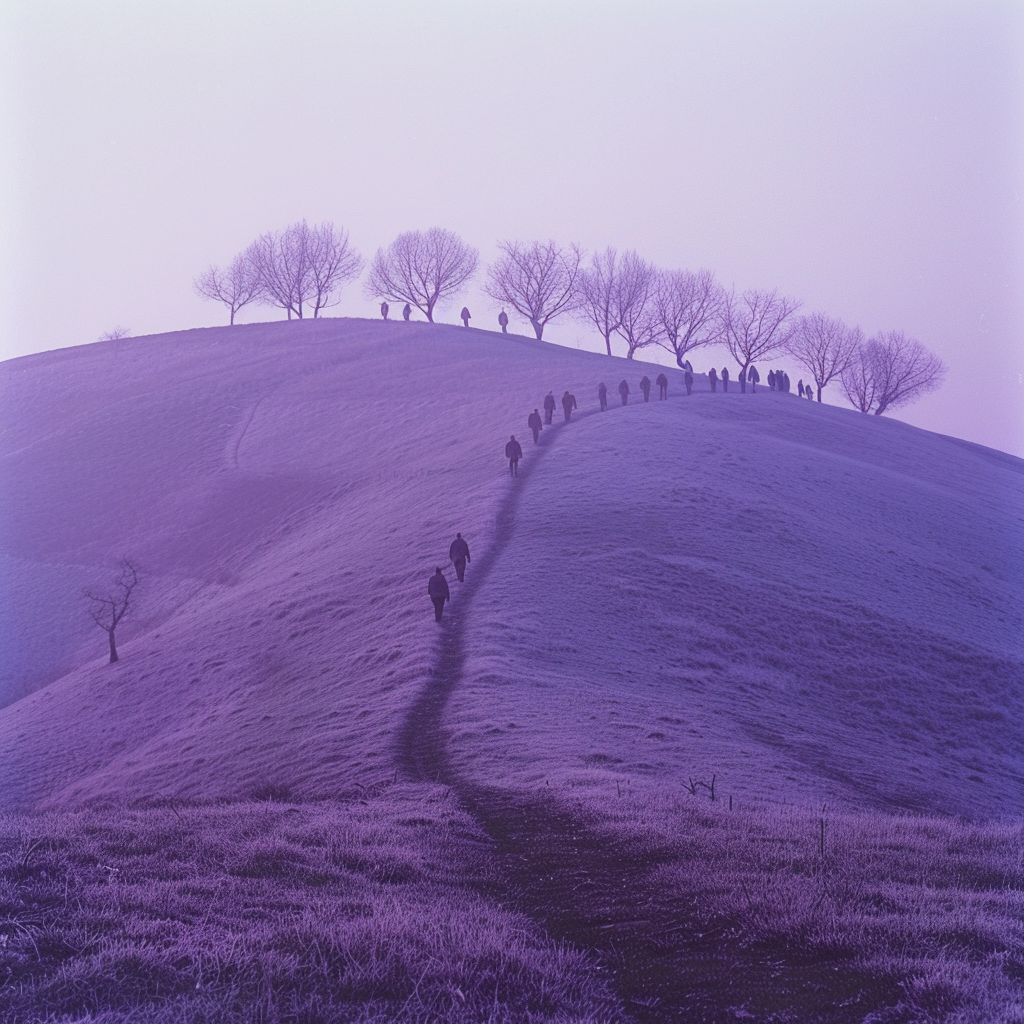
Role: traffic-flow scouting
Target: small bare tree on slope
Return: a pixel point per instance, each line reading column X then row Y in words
column 824, row 346
column 303, row 265
column 757, row 323
column 235, row 287
column 538, row 280
column 422, row 268
column 890, row 371
column 107, row 610
column 596, row 288
column 688, row 308
column 634, row 295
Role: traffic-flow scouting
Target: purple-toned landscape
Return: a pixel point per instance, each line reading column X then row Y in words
column 724, row 722
column 512, row 512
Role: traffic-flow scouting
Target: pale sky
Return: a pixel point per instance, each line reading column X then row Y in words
column 864, row 157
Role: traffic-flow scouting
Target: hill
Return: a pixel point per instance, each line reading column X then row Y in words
column 808, row 603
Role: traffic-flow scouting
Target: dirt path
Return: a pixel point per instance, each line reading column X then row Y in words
column 663, row 957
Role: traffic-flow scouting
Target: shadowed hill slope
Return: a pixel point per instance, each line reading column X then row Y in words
column 764, row 583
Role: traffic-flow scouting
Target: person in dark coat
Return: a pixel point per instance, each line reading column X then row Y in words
column 687, row 366
column 459, row 555
column 384, row 310
column 800, row 387
column 513, row 452
column 465, row 316
column 437, row 588
column 725, row 378
column 771, row 379
column 713, row 378
column 645, row 387
column 785, row 382
column 602, row 396
column 743, row 381
column 503, row 322
column 662, row 381
column 808, row 392
column 549, row 406
column 535, row 425
column 623, row 391
column 754, row 377
column 406, row 311
column 688, row 381
column 568, row 404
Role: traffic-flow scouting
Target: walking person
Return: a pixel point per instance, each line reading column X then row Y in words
column 688, row 381
column 645, row 387
column 662, row 381
column 713, row 378
column 549, row 406
column 771, row 380
column 406, row 311
column 513, row 452
column 384, row 310
column 465, row 316
column 623, row 391
column 503, row 322
column 602, row 396
column 725, row 378
column 754, row 377
column 785, row 381
column 459, row 555
column 568, row 404
column 437, row 588
column 534, row 424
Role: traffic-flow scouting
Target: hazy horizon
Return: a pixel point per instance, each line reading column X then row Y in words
column 864, row 158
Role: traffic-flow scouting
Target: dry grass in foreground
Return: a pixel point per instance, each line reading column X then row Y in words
column 937, row 904
column 267, row 912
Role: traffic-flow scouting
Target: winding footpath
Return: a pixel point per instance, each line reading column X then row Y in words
column 598, row 892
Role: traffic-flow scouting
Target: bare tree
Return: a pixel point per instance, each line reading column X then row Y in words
column 757, row 323
column 235, row 287
column 689, row 310
column 537, row 280
column 824, row 346
column 890, row 371
column 302, row 265
column 422, row 268
column 116, row 334
column 859, row 380
column 107, row 610
column 638, row 325
column 596, row 298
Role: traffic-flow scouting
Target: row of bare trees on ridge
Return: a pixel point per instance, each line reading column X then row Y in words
column 302, row 270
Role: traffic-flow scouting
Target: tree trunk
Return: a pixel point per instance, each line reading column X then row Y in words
column 608, row 342
column 538, row 329
column 231, row 322
column 113, row 646
column 819, row 394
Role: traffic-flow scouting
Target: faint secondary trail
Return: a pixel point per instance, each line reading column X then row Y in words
column 663, row 958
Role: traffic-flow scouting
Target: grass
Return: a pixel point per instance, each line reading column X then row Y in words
column 266, row 912
column 935, row 904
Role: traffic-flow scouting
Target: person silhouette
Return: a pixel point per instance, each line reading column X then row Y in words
column 459, row 555
column 688, row 381
column 437, row 588
column 754, row 377
column 771, row 380
column 549, row 406
column 725, row 378
column 602, row 396
column 384, row 310
column 503, row 322
column 513, row 452
column 662, row 381
column 800, row 387
column 713, row 378
column 568, row 404
column 623, row 391
column 407, row 312
column 535, row 425
column 645, row 387
column 465, row 316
